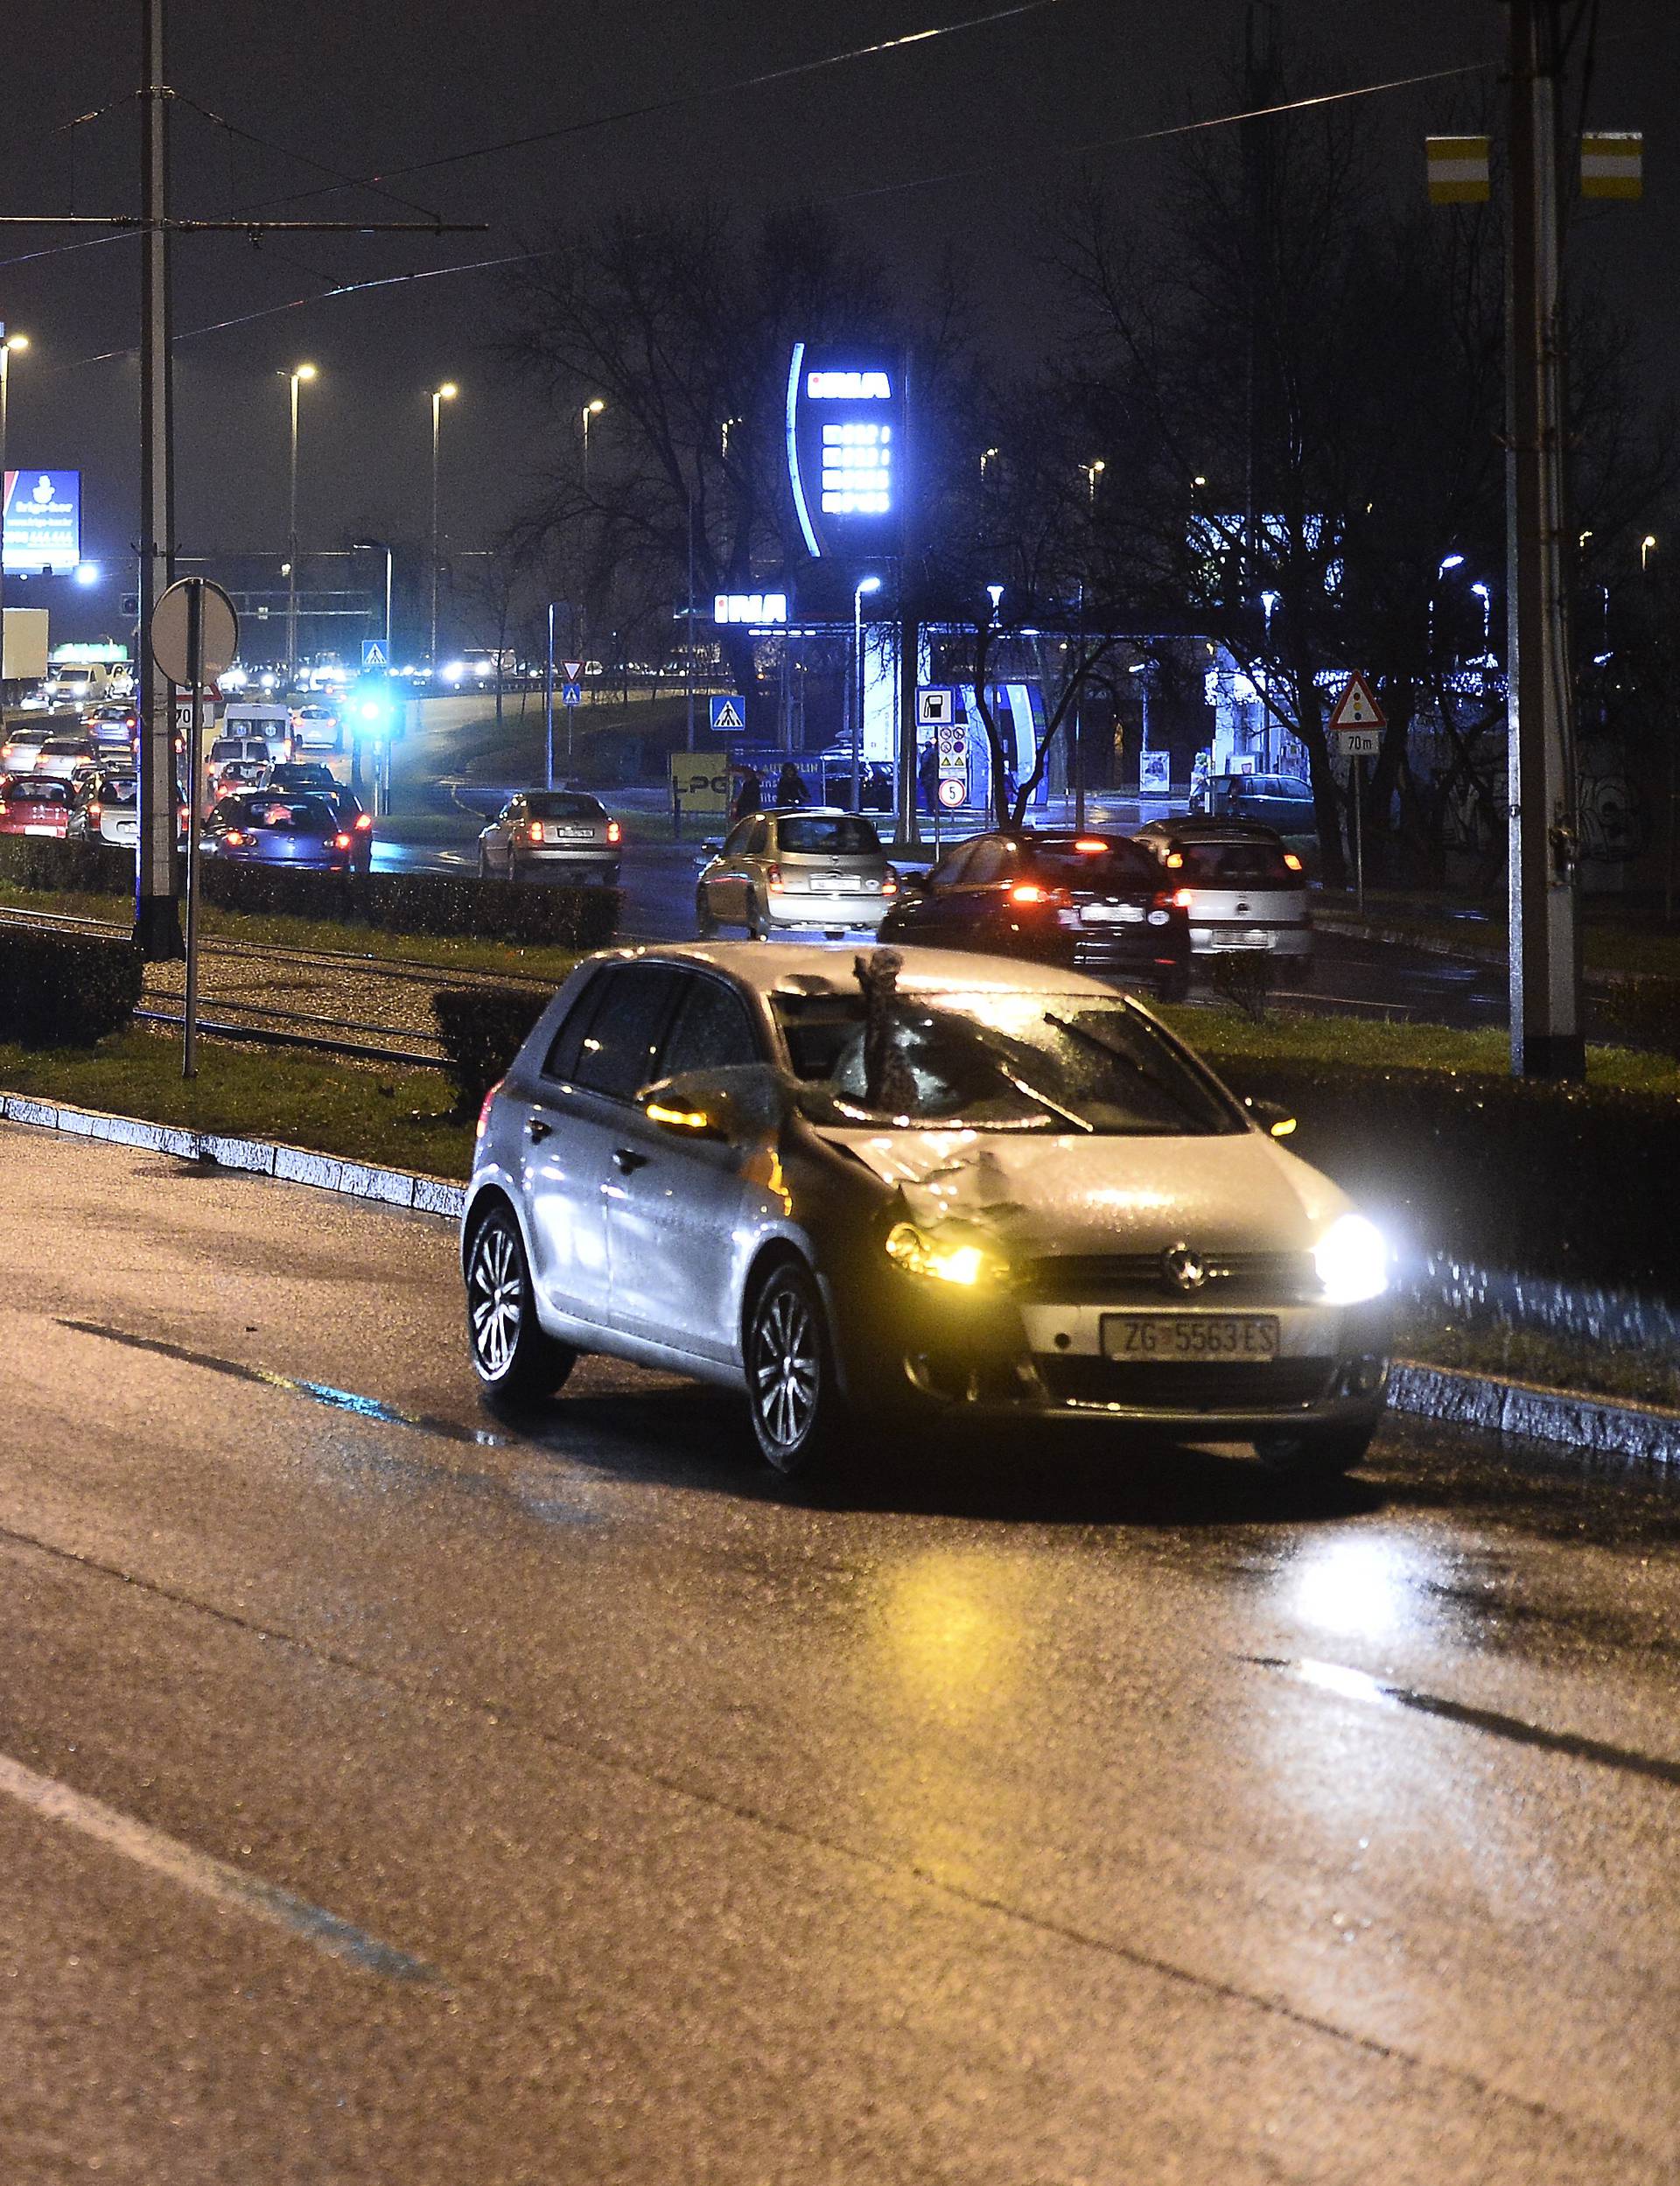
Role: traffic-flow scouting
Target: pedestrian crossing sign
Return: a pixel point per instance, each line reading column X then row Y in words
column 374, row 653
column 729, row 712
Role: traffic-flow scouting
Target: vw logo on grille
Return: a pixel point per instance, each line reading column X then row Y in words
column 1184, row 1268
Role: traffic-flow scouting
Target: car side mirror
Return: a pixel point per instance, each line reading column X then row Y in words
column 912, row 884
column 712, row 849
column 1271, row 1117
column 731, row 1106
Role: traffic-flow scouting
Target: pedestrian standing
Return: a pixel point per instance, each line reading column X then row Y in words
column 790, row 787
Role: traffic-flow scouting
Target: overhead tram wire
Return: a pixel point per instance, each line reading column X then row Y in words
column 913, row 182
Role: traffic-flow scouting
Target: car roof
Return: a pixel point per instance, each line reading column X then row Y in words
column 1194, row 829
column 808, row 966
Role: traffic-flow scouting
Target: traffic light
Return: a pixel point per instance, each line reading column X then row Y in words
column 372, row 709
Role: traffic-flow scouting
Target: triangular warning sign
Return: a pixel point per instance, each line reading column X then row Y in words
column 1357, row 707
column 574, row 669
column 726, row 717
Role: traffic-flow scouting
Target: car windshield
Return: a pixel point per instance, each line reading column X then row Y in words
column 1027, row 1061
column 286, row 815
column 38, row 789
column 845, row 838
column 1103, row 865
column 561, row 804
column 1237, row 865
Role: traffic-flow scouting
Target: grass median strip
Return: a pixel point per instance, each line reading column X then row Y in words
column 403, row 1118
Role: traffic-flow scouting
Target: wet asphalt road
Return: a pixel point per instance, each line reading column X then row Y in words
column 398, row 1795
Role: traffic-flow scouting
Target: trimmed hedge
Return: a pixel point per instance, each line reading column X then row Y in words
column 66, row 990
column 399, row 902
column 1575, row 1182
column 482, row 1029
column 1642, row 1013
column 41, row 866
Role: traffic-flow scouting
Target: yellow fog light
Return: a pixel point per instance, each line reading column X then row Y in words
column 944, row 1259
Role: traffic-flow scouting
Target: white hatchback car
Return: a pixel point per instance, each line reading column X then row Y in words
column 926, row 1184
column 802, row 867
column 1244, row 888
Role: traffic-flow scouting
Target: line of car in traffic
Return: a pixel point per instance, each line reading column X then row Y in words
column 1138, row 907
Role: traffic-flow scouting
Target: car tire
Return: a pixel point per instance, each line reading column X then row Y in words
column 792, row 1396
column 757, row 925
column 513, row 1356
column 1312, row 1453
column 516, row 871
column 704, row 925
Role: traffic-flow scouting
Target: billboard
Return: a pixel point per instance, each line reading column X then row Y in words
column 846, row 448
column 43, row 526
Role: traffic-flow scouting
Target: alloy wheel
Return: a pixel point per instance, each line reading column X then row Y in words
column 786, row 1367
column 494, row 1298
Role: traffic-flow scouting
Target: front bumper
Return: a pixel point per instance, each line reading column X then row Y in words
column 908, row 1354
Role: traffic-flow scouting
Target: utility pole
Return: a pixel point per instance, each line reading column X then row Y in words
column 909, row 834
column 1546, row 1034
column 156, row 918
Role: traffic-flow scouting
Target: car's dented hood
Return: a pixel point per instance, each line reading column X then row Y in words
column 1068, row 1193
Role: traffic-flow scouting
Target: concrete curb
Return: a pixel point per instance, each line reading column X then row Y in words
column 1598, row 1425
column 1594, row 1423
column 256, row 1157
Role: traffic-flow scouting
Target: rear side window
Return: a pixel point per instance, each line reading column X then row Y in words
column 1237, row 866
column 39, row 791
column 845, row 838
column 949, row 871
column 712, row 1031
column 610, row 1042
column 990, row 861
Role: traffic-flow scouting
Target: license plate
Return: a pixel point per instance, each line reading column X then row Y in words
column 43, row 830
column 1137, row 1337
column 847, row 883
column 1112, row 915
column 576, row 835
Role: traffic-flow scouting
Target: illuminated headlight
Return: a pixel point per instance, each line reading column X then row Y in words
column 946, row 1260
column 1352, row 1258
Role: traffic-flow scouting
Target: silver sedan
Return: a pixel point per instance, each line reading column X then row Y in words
column 926, row 1184
column 559, row 834
column 804, row 868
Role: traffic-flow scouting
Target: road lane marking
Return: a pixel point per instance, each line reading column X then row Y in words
column 209, row 1878
column 1357, row 1684
column 289, row 1385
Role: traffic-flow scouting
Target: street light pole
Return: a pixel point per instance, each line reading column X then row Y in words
column 864, row 585
column 157, row 910
column 593, row 409
column 301, row 372
column 446, row 393
column 8, row 343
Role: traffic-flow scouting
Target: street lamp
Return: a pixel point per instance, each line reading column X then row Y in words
column 1485, row 595
column 297, row 377
column 593, row 409
column 1645, row 546
column 1093, row 471
column 8, row 343
column 987, row 455
column 381, row 546
column 864, row 585
column 1447, row 562
column 728, row 422
column 446, row 393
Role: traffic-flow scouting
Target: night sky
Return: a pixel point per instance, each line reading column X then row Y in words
column 367, row 87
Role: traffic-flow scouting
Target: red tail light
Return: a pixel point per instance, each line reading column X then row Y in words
column 340, row 842
column 533, row 832
column 614, row 832
column 484, row 1112
column 773, row 877
column 1032, row 891
column 1291, row 861
column 1090, row 845
column 363, row 820
column 95, row 813
column 889, row 887
column 235, row 840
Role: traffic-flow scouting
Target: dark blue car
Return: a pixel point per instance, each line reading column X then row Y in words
column 259, row 827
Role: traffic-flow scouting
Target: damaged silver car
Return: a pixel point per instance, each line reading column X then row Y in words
column 916, row 1184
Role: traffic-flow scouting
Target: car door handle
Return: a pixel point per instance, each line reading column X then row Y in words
column 537, row 1131
column 629, row 1160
